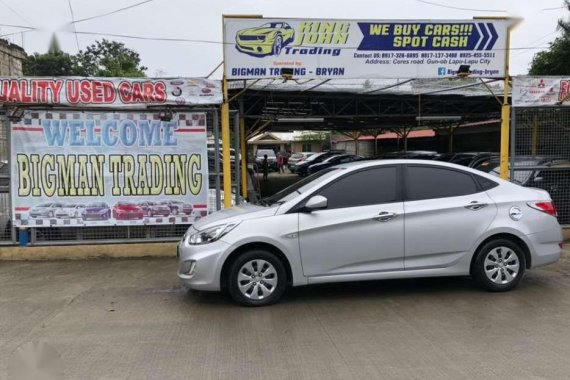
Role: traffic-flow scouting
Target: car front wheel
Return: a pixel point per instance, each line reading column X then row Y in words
column 499, row 265
column 257, row 278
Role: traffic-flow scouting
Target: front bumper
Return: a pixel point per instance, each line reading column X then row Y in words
column 129, row 215
column 207, row 260
column 255, row 47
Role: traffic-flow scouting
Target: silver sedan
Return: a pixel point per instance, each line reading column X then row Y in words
column 369, row 221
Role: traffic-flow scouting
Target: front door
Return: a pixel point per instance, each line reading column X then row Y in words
column 361, row 230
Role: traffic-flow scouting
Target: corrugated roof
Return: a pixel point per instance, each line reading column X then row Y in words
column 462, row 87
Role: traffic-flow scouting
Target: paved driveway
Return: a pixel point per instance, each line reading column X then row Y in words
column 129, row 319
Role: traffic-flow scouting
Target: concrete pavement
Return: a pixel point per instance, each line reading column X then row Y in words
column 130, row 319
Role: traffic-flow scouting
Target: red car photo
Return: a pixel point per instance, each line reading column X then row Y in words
column 127, row 211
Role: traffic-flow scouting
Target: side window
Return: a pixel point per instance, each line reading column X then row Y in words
column 367, row 187
column 486, row 184
column 428, row 182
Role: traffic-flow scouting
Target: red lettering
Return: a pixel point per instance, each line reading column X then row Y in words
column 86, row 95
column 160, row 89
column 14, row 95
column 109, row 94
column 97, row 92
column 125, row 92
column 564, row 90
column 148, row 91
column 137, row 93
column 55, row 87
column 41, row 90
column 26, row 97
column 72, row 90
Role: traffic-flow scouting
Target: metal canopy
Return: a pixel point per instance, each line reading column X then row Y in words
column 367, row 104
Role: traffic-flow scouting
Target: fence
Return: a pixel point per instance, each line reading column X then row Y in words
column 109, row 234
column 540, row 153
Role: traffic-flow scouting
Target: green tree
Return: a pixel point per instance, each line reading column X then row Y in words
column 53, row 63
column 555, row 60
column 108, row 59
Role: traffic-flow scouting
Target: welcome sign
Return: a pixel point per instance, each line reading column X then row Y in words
column 108, row 168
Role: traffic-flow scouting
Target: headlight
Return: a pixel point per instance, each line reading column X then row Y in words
column 211, row 234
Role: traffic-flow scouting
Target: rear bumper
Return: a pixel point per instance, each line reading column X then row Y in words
column 545, row 247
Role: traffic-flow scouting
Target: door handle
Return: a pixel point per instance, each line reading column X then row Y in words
column 474, row 206
column 385, row 216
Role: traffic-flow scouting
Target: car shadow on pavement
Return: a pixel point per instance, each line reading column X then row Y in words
column 354, row 290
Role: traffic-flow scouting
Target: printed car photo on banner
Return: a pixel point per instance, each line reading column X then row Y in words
column 260, row 48
column 96, row 168
column 541, row 91
column 110, row 92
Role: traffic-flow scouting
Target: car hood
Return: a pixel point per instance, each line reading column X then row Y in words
column 237, row 213
column 128, row 208
column 39, row 209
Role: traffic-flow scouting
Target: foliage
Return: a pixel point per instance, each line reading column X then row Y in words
column 555, row 60
column 103, row 59
column 109, row 59
column 53, row 63
column 313, row 137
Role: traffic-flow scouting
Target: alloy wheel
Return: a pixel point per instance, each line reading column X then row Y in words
column 501, row 265
column 257, row 279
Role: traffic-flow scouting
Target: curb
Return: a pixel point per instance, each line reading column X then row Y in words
column 82, row 252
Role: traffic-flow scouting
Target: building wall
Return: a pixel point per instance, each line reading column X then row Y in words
column 365, row 147
column 11, row 57
column 298, row 147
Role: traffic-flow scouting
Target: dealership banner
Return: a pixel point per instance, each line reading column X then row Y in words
column 541, row 91
column 97, row 168
column 110, row 92
column 260, row 48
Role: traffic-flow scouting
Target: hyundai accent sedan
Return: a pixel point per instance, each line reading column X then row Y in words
column 369, row 221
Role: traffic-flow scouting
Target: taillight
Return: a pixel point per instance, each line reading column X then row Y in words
column 547, row 207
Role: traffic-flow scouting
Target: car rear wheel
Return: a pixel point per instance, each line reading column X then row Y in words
column 499, row 266
column 257, row 278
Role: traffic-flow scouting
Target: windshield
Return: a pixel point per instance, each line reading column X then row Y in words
column 313, row 157
column 297, row 188
column 96, row 204
column 332, row 159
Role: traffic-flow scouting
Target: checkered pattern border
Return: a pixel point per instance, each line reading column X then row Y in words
column 78, row 222
column 184, row 119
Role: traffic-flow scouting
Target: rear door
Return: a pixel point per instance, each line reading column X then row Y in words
column 446, row 211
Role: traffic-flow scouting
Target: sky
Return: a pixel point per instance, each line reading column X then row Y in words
column 202, row 20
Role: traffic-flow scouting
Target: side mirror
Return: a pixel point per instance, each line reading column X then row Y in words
column 317, row 202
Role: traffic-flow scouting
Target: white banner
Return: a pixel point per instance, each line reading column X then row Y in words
column 110, row 92
column 85, row 169
column 260, row 48
column 541, row 91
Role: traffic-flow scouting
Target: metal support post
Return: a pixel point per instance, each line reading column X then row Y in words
column 226, row 163
column 217, row 160
column 243, row 151
column 236, row 159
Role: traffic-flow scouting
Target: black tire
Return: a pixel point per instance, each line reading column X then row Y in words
column 256, row 254
column 502, row 248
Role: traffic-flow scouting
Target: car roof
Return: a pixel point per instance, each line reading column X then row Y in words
column 373, row 163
